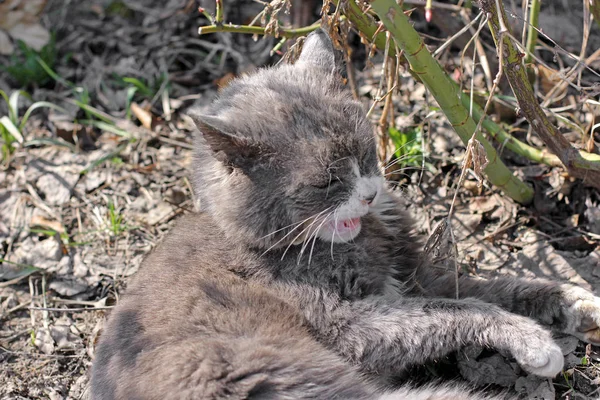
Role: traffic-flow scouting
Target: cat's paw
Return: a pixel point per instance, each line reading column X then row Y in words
column 540, row 357
column 578, row 313
column 532, row 346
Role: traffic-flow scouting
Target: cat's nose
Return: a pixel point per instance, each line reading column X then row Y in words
column 369, row 199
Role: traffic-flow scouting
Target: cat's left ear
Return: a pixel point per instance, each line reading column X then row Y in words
column 226, row 147
column 318, row 51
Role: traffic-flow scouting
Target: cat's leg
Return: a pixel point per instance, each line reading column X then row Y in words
column 442, row 392
column 252, row 366
column 384, row 338
column 563, row 307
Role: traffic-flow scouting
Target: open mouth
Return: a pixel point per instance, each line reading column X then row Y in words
column 346, row 226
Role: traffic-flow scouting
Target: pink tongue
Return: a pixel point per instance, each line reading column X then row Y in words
column 347, row 225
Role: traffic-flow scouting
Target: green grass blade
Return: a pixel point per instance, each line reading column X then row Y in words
column 141, row 86
column 13, row 106
column 50, row 141
column 11, row 112
column 38, row 105
column 107, row 127
column 96, row 113
column 11, row 128
column 25, row 269
column 107, row 157
column 130, row 93
column 53, row 74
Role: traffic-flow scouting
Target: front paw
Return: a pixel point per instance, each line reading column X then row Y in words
column 577, row 312
column 541, row 359
column 534, row 349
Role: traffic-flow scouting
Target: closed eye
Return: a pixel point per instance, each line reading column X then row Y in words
column 320, row 185
column 327, row 183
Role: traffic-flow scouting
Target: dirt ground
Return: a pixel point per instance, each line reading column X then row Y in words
column 97, row 183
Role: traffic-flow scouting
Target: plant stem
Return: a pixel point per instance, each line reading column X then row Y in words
column 499, row 134
column 365, row 24
column 532, row 33
column 506, row 139
column 588, row 168
column 595, row 10
column 447, row 94
column 218, row 12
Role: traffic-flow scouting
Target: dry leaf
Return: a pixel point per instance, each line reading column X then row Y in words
column 535, row 387
column 13, row 12
column 20, row 19
column 45, row 223
column 483, row 204
column 43, row 341
column 223, row 81
column 142, row 115
column 549, row 78
column 439, row 244
column 6, row 46
column 34, row 35
column 479, row 158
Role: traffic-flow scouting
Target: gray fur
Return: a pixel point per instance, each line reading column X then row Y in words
column 238, row 303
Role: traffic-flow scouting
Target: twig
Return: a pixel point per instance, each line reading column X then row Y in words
column 77, row 309
column 257, row 30
column 568, row 78
column 450, row 40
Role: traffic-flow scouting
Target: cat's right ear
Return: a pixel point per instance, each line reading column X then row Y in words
column 318, row 51
column 228, row 148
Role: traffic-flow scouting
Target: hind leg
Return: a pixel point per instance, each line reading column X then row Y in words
column 252, row 368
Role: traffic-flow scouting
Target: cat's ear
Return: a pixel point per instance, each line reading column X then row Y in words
column 226, row 147
column 318, row 51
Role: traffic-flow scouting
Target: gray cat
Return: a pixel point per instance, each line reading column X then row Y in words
column 301, row 278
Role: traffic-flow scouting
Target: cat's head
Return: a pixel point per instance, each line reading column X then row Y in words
column 285, row 154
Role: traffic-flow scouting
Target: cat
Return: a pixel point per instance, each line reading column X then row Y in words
column 302, row 277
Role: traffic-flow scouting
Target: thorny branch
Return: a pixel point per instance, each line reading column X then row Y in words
column 588, row 169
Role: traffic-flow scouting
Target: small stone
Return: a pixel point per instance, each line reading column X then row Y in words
column 43, row 341
column 535, row 388
column 68, row 287
column 157, row 214
column 567, row 344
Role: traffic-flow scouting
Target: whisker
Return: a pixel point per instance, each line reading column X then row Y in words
column 402, row 158
column 287, row 226
column 315, row 239
column 283, row 238
column 291, row 231
column 303, row 230
column 335, row 217
column 310, row 234
column 401, row 171
column 402, row 147
column 292, row 242
column 339, row 159
column 307, row 239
